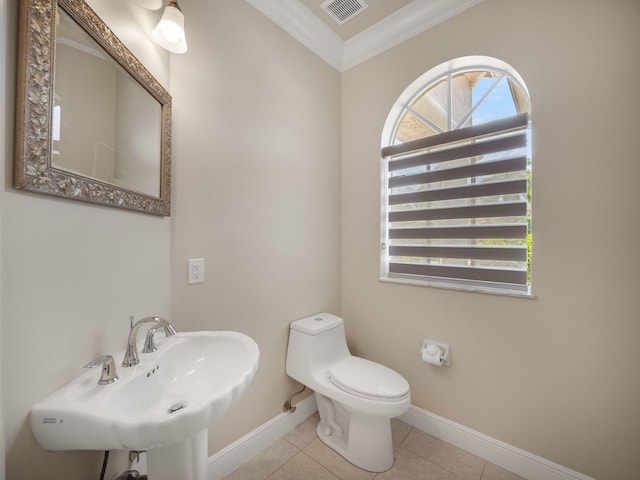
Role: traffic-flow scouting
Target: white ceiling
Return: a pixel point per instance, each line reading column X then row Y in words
column 383, row 24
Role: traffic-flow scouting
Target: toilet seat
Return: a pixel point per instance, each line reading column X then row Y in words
column 365, row 378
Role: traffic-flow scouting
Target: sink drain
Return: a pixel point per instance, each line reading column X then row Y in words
column 176, row 407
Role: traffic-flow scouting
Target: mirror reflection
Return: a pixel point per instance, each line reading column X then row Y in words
column 92, row 123
column 104, row 125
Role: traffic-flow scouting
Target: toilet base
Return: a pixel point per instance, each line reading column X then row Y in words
column 363, row 440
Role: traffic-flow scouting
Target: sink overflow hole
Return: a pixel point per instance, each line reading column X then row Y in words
column 175, row 407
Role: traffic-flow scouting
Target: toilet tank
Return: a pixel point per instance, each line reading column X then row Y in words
column 315, row 343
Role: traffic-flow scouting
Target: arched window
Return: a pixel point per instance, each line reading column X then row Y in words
column 457, row 179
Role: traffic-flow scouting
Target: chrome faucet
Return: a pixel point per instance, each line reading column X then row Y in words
column 131, row 354
column 149, row 342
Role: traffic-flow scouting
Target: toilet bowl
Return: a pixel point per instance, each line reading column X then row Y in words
column 356, row 398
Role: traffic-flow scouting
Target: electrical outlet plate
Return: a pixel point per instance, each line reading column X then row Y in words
column 195, row 271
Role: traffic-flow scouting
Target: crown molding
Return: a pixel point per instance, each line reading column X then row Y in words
column 301, row 23
column 409, row 21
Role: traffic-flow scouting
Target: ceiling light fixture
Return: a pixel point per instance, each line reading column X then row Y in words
column 169, row 33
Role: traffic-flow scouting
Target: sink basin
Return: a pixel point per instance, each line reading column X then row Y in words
column 174, row 393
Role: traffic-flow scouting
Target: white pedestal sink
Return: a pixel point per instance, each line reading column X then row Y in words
column 186, row 460
column 163, row 405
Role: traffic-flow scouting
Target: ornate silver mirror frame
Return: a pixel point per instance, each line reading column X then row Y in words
column 34, row 169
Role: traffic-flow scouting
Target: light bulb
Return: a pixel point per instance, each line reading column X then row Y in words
column 169, row 33
column 172, row 33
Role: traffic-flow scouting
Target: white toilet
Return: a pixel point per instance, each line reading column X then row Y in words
column 356, row 398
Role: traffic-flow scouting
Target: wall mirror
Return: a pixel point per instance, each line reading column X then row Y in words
column 93, row 124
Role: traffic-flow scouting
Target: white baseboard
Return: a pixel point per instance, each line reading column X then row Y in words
column 225, row 461
column 515, row 460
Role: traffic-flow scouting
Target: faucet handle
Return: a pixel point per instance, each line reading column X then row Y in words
column 108, row 374
column 149, row 342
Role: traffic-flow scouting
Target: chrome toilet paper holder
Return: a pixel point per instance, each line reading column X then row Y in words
column 446, row 349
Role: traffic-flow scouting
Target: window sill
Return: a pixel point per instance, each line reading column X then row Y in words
column 462, row 288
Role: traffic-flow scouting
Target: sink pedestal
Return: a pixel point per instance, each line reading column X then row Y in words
column 185, row 460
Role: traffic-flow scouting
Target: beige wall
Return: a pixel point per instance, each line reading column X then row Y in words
column 72, row 273
column 4, row 152
column 557, row 376
column 256, row 191
column 256, row 146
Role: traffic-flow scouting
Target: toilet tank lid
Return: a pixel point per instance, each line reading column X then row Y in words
column 316, row 324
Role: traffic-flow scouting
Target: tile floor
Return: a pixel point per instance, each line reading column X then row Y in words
column 300, row 455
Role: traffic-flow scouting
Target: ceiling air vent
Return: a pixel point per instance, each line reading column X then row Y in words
column 343, row 10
